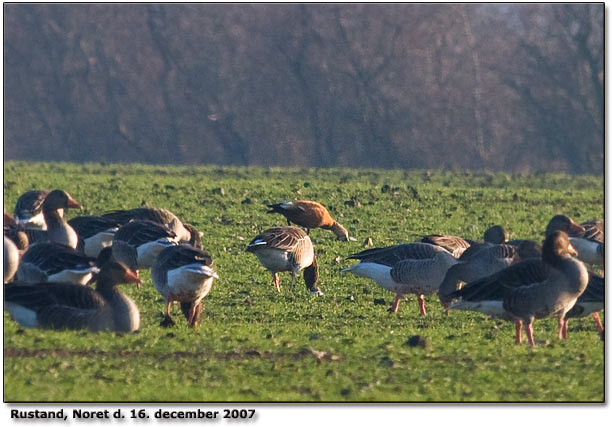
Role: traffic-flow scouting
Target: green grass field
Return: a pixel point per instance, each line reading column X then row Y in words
column 254, row 344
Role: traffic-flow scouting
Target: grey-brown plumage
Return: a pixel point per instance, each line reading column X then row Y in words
column 592, row 299
column 69, row 306
column 566, row 224
column 587, row 238
column 287, row 249
column 142, row 239
column 489, row 259
column 530, row 289
column 160, row 216
column 57, row 229
column 185, row 274
column 390, row 255
column 416, row 268
column 19, row 235
column 11, row 259
column 94, row 233
column 458, row 246
column 455, row 245
column 51, row 261
column 593, row 230
column 196, row 236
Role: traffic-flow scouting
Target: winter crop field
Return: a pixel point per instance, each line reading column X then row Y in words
column 256, row 344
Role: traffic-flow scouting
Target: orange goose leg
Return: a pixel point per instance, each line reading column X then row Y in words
column 421, row 300
column 167, row 320
column 595, row 316
column 276, row 281
column 445, row 305
column 565, row 329
column 395, row 305
column 561, row 323
column 519, row 326
column 529, row 330
column 169, row 300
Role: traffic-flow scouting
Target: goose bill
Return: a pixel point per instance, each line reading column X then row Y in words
column 71, row 203
column 571, row 250
column 131, row 276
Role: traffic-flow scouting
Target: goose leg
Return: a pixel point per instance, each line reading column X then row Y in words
column 276, row 281
column 167, row 320
column 519, row 337
column 395, row 305
column 292, row 280
column 595, row 316
column 565, row 334
column 561, row 323
column 529, row 330
column 445, row 305
column 421, row 300
column 192, row 311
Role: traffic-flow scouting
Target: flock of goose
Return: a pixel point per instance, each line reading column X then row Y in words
column 49, row 263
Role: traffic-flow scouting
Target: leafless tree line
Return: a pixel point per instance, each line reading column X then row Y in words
column 517, row 87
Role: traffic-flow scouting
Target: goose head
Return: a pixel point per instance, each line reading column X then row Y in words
column 311, row 275
column 564, row 223
column 115, row 271
column 527, row 249
column 556, row 247
column 496, row 234
column 340, row 232
column 58, row 200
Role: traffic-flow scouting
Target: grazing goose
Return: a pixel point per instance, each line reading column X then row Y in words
column 11, row 259
column 459, row 246
column 287, row 249
column 185, row 274
column 586, row 238
column 413, row 268
column 530, row 289
column 68, row 306
column 145, row 239
column 308, row 214
column 160, row 216
column 488, row 260
column 590, row 302
column 28, row 209
column 54, row 262
column 94, row 233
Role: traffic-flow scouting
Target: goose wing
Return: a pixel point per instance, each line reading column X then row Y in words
column 594, row 230
column 138, row 232
column 52, row 257
column 453, row 244
column 123, row 216
column 494, row 287
column 286, row 208
column 390, row 255
column 89, row 225
column 283, row 238
column 57, row 305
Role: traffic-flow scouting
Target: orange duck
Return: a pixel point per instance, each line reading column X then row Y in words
column 309, row 214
